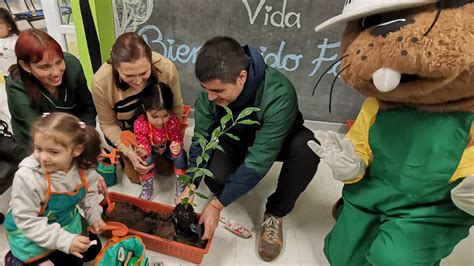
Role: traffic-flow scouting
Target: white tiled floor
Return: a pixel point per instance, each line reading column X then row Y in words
column 304, row 229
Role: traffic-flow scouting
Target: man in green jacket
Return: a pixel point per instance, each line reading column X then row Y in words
column 237, row 77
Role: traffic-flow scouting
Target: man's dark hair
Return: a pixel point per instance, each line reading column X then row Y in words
column 221, row 58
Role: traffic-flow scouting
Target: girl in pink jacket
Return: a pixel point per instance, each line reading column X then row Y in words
column 158, row 131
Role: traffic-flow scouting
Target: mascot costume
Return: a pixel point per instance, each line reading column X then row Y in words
column 408, row 160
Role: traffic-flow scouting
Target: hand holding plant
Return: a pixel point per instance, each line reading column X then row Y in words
column 185, row 194
column 208, row 145
column 184, row 218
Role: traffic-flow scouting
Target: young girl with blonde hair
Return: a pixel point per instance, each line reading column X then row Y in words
column 43, row 222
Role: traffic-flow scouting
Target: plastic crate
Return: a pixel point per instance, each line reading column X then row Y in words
column 158, row 244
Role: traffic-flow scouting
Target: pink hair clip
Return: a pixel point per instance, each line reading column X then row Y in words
column 82, row 125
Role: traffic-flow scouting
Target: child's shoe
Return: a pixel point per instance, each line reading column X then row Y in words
column 147, row 189
column 180, row 186
column 11, row 260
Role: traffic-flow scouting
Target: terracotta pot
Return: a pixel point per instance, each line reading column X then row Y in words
column 158, row 244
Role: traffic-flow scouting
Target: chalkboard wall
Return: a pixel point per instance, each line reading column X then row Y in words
column 283, row 31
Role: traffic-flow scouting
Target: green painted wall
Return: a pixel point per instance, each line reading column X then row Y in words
column 104, row 23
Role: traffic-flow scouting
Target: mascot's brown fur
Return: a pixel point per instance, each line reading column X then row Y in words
column 437, row 69
column 408, row 160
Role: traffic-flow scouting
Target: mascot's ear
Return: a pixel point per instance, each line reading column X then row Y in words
column 455, row 3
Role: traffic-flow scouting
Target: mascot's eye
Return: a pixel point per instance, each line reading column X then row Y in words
column 370, row 21
column 456, row 3
column 385, row 28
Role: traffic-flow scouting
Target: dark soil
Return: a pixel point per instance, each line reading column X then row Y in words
column 153, row 223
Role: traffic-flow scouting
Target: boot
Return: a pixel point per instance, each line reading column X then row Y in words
column 180, row 185
column 147, row 188
column 12, row 260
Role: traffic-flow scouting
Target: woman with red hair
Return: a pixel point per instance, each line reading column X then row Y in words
column 45, row 80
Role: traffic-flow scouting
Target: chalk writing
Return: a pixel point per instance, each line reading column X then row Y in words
column 322, row 57
column 289, row 62
column 132, row 14
column 183, row 53
column 279, row 19
column 282, row 31
column 276, row 60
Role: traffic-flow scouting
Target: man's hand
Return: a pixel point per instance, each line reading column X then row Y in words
column 79, row 244
column 210, row 218
column 175, row 147
column 138, row 163
column 185, row 194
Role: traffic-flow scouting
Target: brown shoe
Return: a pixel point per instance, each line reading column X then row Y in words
column 271, row 239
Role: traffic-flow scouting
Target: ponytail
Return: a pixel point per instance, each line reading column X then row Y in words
column 88, row 158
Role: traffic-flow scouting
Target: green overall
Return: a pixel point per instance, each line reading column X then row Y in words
column 401, row 212
column 59, row 207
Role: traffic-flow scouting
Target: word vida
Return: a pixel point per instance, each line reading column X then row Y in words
column 279, row 18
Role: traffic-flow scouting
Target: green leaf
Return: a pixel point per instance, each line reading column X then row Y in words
column 232, row 136
column 190, row 193
column 202, row 196
column 212, row 145
column 185, row 201
column 206, row 172
column 215, row 145
column 199, row 161
column 184, row 178
column 225, row 119
column 192, row 169
column 205, row 156
column 202, row 143
column 228, row 113
column 219, row 147
column 247, row 111
column 216, row 133
column 199, row 173
column 248, row 122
